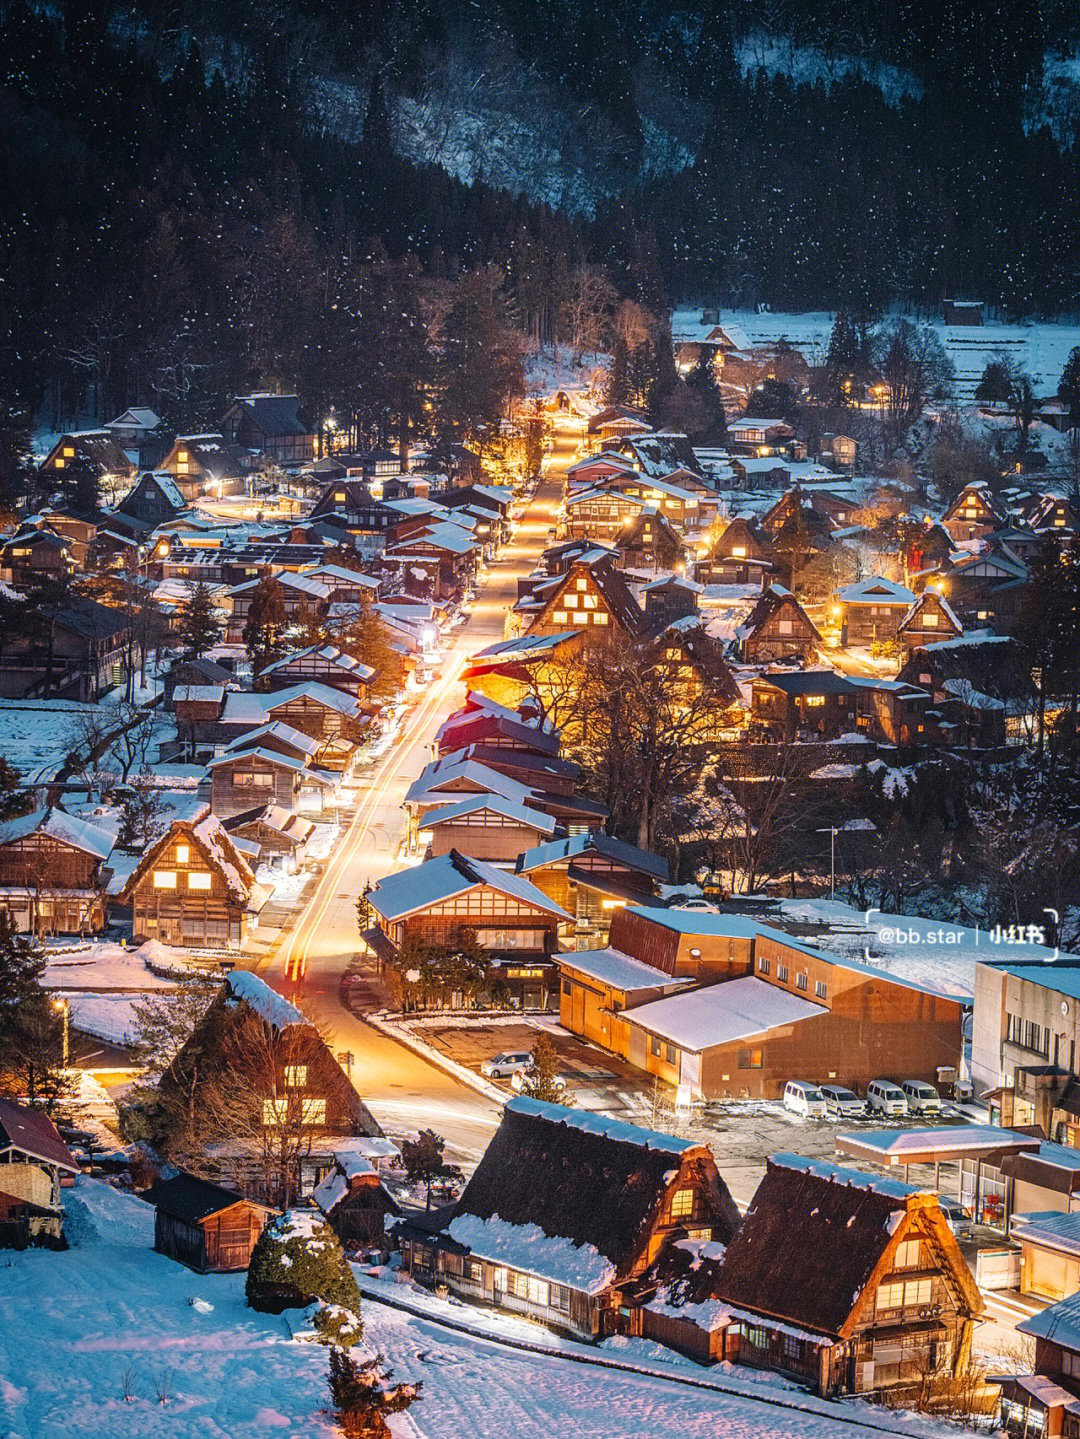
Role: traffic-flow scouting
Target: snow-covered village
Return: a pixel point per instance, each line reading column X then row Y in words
column 539, row 720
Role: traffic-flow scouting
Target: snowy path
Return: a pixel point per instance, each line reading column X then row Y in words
column 746, row 1394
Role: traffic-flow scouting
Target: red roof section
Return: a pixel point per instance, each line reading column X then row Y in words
column 33, row 1134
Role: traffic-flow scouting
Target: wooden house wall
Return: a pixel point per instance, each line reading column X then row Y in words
column 42, row 859
column 276, row 784
column 221, row 1242
column 770, row 641
column 53, row 887
column 501, row 922
column 483, row 836
column 863, row 624
column 580, row 596
column 183, row 915
column 872, row 1027
column 587, row 1007
column 718, row 956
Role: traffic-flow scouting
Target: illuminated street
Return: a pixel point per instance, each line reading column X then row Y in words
column 402, row 1089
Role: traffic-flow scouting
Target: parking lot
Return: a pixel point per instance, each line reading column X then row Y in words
column 741, row 1133
column 594, row 1079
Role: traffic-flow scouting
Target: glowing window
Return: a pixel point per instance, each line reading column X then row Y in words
column 814, row 701
column 164, row 879
column 69, row 452
column 582, row 585
column 59, row 463
column 339, row 495
column 580, row 618
column 296, row 1076
column 538, row 1291
column 930, row 621
column 276, row 1111
column 739, row 551
column 599, row 618
column 183, row 853
column 682, row 1204
column 570, row 601
column 198, row 879
column 907, row 1255
column 182, row 456
column 181, row 467
column 590, row 602
column 559, row 617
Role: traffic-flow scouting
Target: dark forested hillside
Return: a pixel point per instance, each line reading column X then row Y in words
column 193, row 187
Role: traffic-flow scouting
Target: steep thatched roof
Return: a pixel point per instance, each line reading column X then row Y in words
column 581, row 1177
column 814, row 1236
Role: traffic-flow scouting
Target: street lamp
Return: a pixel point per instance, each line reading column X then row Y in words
column 832, row 831
column 63, row 1006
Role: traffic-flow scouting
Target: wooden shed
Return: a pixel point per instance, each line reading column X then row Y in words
column 208, row 1228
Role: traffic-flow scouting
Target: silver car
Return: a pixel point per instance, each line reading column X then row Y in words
column 841, row 1103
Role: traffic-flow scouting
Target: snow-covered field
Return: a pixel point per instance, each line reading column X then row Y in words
column 934, row 953
column 109, row 1315
column 1039, row 349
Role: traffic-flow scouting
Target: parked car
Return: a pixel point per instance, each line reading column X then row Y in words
column 805, row 1099
column 697, row 905
column 922, row 1098
column 503, row 1066
column 841, row 1102
column 520, row 1082
column 885, row 1097
column 957, row 1217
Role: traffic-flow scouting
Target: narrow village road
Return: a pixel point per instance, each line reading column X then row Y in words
column 403, row 1090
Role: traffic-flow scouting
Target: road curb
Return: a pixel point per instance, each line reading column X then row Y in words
column 436, row 1057
column 604, row 1361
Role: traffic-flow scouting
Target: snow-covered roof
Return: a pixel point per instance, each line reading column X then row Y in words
column 61, row 826
column 266, row 1002
column 854, row 1178
column 1054, row 1230
column 875, row 589
column 721, row 1013
column 400, row 894
column 526, row 1248
column 198, row 694
column 621, row 971
column 476, row 803
column 1059, row 1323
column 431, row 782
column 693, row 921
column 590, row 1122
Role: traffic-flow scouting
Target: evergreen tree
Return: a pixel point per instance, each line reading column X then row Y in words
column 16, row 459
column 362, row 1395
column 15, row 800
column 30, row 1026
column 143, row 815
column 297, row 1259
column 367, row 637
column 201, row 627
column 542, row 1080
column 995, row 386
column 423, row 1161
column 1069, row 386
column 265, row 627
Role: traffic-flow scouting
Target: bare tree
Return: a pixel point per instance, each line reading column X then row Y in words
column 588, row 309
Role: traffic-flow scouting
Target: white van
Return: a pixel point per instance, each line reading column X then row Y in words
column 885, row 1097
column 922, row 1098
column 805, row 1099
